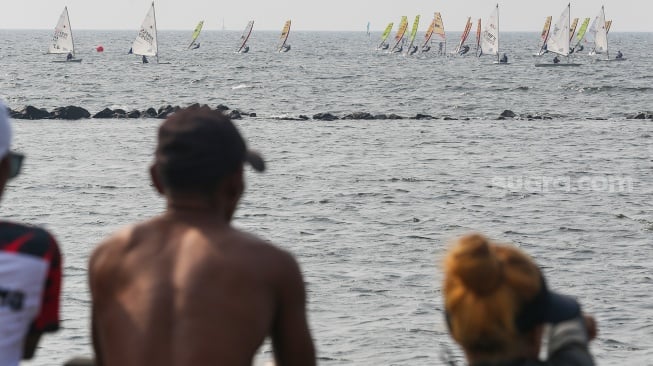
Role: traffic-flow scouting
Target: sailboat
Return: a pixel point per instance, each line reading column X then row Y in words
column 490, row 38
column 413, row 34
column 386, row 33
column 399, row 37
column 196, row 34
column 62, row 41
column 601, row 39
column 244, row 48
column 439, row 30
column 285, row 32
column 544, row 36
column 559, row 40
column 146, row 43
column 580, row 36
column 462, row 48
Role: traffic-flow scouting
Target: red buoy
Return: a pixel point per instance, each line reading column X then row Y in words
column 99, row 49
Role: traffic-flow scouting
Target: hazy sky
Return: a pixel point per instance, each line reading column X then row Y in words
column 331, row 15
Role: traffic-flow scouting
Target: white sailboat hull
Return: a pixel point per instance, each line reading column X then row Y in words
column 556, row 65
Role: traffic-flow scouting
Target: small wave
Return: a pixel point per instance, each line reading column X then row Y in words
column 241, row 86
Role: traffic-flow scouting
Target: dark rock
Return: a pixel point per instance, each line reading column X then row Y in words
column 134, row 114
column 325, row 117
column 640, row 116
column 31, row 112
column 394, row 116
column 105, row 113
column 359, row 116
column 301, row 117
column 254, row 115
column 222, row 108
column 194, row 105
column 422, row 116
column 547, row 117
column 70, row 112
column 164, row 112
column 455, row 119
column 235, row 114
column 498, row 119
column 537, row 117
column 380, row 116
column 150, row 112
column 508, row 114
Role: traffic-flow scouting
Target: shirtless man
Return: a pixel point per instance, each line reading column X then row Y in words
column 187, row 288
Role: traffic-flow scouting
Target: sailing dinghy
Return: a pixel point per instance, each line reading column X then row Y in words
column 196, row 33
column 601, row 39
column 559, row 40
column 386, row 33
column 146, row 43
column 62, row 41
column 490, row 38
column 413, row 34
column 478, row 51
column 399, row 37
column 580, row 35
column 544, row 36
column 285, row 32
column 436, row 27
column 462, row 47
column 244, row 48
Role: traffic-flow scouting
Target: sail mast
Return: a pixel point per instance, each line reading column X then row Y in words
column 498, row 33
column 156, row 34
column 605, row 25
column 70, row 29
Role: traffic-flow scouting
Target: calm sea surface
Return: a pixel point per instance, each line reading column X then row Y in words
column 367, row 207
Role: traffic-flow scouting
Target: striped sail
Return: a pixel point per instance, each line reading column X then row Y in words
column 413, row 33
column 545, row 34
column 403, row 25
column 196, row 33
column 468, row 28
column 285, row 32
column 478, row 38
column 386, row 34
column 572, row 29
column 62, row 41
column 608, row 24
column 559, row 38
column 145, row 43
column 245, row 36
column 428, row 35
column 490, row 35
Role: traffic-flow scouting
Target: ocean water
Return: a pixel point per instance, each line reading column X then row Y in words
column 367, row 207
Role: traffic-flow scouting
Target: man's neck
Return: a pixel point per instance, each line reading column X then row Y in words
column 198, row 210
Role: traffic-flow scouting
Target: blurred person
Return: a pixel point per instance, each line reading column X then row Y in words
column 30, row 271
column 186, row 287
column 497, row 304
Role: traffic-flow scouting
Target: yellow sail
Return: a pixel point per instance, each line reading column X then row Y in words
column 385, row 35
column 439, row 26
column 545, row 34
column 403, row 25
column 196, row 33
column 285, row 32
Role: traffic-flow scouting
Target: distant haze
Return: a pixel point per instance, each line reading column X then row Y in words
column 331, row 15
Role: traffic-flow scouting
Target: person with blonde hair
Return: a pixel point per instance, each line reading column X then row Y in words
column 496, row 305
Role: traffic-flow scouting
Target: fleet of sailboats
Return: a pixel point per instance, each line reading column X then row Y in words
column 562, row 40
column 559, row 40
column 62, row 41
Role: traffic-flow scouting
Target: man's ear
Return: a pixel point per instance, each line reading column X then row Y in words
column 156, row 178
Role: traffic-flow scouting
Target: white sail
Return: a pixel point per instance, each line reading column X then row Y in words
column 146, row 43
column 490, row 35
column 559, row 38
column 245, row 36
column 601, row 35
column 590, row 36
column 62, row 41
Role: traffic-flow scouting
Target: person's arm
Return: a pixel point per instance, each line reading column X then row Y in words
column 47, row 319
column 94, row 284
column 569, row 342
column 291, row 338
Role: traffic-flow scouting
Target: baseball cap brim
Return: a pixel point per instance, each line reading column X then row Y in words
column 255, row 160
column 560, row 308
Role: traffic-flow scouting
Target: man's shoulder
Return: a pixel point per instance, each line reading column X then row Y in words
column 27, row 239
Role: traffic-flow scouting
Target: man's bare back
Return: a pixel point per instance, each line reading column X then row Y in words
column 186, row 288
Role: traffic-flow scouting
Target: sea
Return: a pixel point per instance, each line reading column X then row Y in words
column 367, row 207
